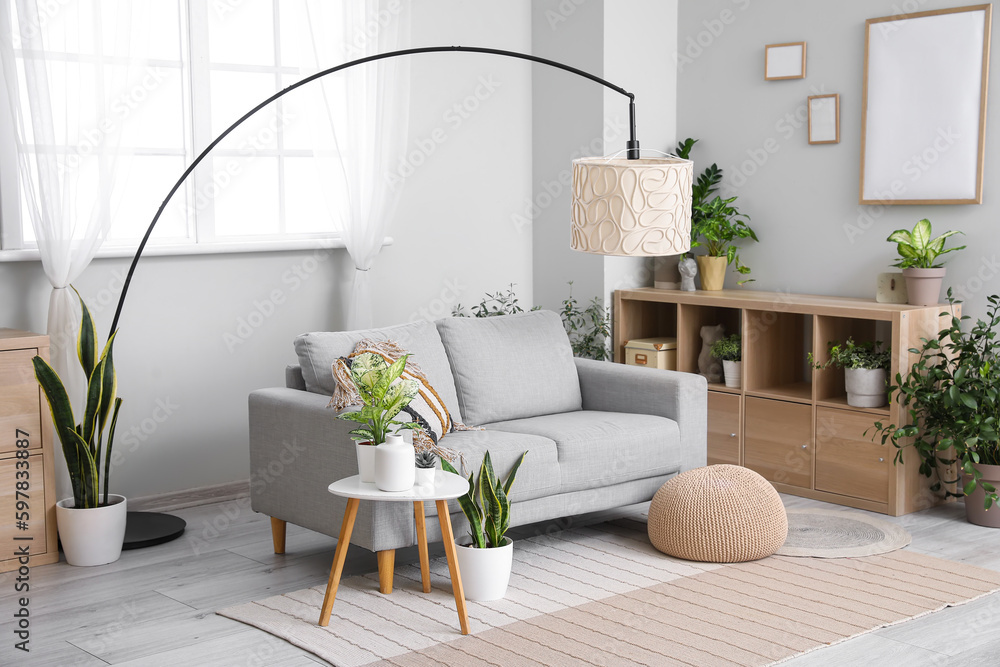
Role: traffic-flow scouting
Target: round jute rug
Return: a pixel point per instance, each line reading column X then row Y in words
column 818, row 533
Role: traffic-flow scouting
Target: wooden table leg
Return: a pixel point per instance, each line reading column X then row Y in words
column 278, row 527
column 338, row 560
column 386, row 568
column 456, row 577
column 425, row 567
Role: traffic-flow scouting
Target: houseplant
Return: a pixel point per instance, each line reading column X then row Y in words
column 866, row 367
column 486, row 562
column 383, row 395
column 952, row 408
column 719, row 226
column 91, row 524
column 918, row 255
column 729, row 352
column 426, row 462
column 704, row 186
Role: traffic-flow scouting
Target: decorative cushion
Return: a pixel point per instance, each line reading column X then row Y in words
column 718, row 514
column 511, row 366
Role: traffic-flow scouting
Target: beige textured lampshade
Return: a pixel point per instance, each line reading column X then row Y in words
column 637, row 208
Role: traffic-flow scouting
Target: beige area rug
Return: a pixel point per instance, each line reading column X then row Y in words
column 602, row 595
column 823, row 533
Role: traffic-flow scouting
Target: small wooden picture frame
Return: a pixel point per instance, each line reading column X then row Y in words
column 785, row 61
column 824, row 119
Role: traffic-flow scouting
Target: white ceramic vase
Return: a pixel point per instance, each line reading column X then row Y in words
column 866, row 388
column 92, row 536
column 732, row 371
column 366, row 461
column 425, row 476
column 485, row 572
column 394, row 466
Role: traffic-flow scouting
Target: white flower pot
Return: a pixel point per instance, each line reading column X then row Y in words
column 732, row 370
column 485, row 572
column 866, row 387
column 394, row 466
column 92, row 536
column 424, row 476
column 366, row 462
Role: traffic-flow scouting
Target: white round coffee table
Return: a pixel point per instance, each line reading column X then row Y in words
column 446, row 487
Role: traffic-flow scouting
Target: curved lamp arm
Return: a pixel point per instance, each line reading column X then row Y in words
column 632, row 145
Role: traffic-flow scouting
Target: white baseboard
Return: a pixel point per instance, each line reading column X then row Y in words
column 175, row 500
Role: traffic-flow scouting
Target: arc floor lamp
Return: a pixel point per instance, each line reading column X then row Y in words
column 629, row 207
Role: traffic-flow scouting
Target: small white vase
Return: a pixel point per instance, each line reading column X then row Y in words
column 92, row 536
column 394, row 466
column 485, row 572
column 732, row 370
column 866, row 388
column 366, row 461
column 425, row 476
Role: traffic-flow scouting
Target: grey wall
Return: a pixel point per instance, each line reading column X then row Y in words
column 815, row 238
column 201, row 332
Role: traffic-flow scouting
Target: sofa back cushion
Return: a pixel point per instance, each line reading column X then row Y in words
column 511, row 366
column 317, row 352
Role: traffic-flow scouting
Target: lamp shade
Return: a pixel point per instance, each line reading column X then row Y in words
column 635, row 208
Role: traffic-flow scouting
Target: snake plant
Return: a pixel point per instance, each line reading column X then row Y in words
column 487, row 504
column 83, row 443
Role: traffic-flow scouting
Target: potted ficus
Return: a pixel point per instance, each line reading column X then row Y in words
column 92, row 522
column 485, row 562
column 951, row 410
column 918, row 255
column 729, row 351
column 719, row 225
column 866, row 367
column 383, row 457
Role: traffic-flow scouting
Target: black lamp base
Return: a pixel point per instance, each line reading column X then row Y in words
column 147, row 529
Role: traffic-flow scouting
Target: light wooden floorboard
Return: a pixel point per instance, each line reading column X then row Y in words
column 156, row 606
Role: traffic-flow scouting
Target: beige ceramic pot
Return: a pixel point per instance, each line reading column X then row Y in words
column 713, row 272
column 923, row 286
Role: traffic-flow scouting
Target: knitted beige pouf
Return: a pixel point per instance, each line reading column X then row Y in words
column 718, row 514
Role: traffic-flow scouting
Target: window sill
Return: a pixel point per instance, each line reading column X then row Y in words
column 221, row 248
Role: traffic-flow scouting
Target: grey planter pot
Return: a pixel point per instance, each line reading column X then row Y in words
column 923, row 286
column 975, row 511
column 866, row 388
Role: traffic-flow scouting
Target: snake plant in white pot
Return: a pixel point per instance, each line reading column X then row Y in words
column 91, row 523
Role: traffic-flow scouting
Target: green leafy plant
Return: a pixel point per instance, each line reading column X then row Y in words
column 588, row 328
column 951, row 399
column 703, row 187
column 727, row 349
column 384, row 395
column 487, row 504
column 425, row 460
column 83, row 443
column 492, row 305
column 868, row 355
column 720, row 225
column 916, row 248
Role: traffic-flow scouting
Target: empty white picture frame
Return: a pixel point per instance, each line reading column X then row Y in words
column 824, row 119
column 924, row 107
column 785, row 61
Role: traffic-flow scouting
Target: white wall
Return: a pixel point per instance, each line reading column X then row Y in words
column 815, row 238
column 176, row 353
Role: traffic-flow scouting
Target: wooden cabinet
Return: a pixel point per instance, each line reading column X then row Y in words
column 787, row 421
column 27, row 488
column 723, row 428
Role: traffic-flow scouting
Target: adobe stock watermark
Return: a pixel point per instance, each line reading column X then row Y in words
column 562, row 13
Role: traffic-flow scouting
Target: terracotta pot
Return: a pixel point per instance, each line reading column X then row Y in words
column 713, row 272
column 866, row 387
column 975, row 510
column 733, row 370
column 923, row 286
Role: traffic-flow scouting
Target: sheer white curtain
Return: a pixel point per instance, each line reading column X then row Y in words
column 63, row 72
column 358, row 118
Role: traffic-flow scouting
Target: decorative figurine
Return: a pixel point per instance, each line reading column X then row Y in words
column 689, row 269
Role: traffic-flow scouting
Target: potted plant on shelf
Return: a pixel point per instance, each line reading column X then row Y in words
column 486, row 562
column 729, row 352
column 383, row 457
column 719, row 225
column 952, row 410
column 866, row 367
column 91, row 524
column 426, row 462
column 918, row 254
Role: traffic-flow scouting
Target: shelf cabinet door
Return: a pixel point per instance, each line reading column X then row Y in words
column 723, row 428
column 19, row 399
column 847, row 462
column 778, row 442
column 8, row 507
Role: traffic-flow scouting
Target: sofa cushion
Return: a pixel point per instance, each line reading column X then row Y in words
column 604, row 448
column 511, row 366
column 318, row 351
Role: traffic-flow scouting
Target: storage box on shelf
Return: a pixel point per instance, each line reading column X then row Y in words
column 788, row 422
column 27, row 487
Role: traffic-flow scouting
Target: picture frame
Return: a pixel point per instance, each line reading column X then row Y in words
column 923, row 124
column 824, row 118
column 785, row 61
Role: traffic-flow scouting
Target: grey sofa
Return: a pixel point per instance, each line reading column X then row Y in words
column 598, row 435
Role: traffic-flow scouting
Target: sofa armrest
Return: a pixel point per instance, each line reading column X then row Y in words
column 682, row 397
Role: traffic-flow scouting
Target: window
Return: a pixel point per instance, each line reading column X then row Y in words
column 206, row 63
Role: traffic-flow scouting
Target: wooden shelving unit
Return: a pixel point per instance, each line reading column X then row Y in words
column 790, row 423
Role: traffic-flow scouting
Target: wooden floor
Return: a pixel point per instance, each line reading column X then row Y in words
column 156, row 606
